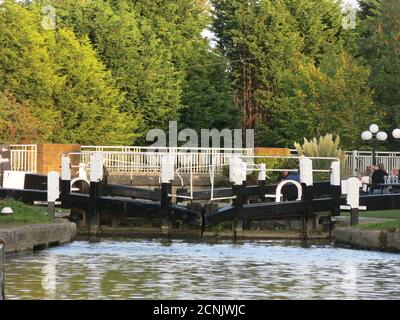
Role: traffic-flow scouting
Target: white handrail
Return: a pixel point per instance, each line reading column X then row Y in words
column 23, row 157
column 278, row 194
column 139, row 161
column 173, row 149
column 135, row 159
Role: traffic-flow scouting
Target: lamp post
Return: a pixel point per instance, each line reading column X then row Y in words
column 375, row 137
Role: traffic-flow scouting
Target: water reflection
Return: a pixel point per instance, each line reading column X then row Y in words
column 183, row 270
column 349, row 281
column 49, row 272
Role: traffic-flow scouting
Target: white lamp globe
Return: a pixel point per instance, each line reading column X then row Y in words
column 374, row 128
column 381, row 136
column 396, row 133
column 366, row 136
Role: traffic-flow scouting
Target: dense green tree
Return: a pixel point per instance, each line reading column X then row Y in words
column 27, row 72
column 159, row 57
column 53, row 77
column 291, row 73
column 319, row 23
column 147, row 46
column 333, row 97
column 259, row 39
column 178, row 24
column 208, row 97
column 379, row 46
column 90, row 101
column 112, row 69
column 368, row 8
column 18, row 122
column 142, row 64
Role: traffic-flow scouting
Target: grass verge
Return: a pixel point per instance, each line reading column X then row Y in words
column 23, row 214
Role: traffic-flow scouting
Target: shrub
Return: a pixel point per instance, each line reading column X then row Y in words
column 324, row 146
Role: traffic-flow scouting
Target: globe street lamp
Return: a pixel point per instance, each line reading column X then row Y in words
column 375, row 137
column 396, row 134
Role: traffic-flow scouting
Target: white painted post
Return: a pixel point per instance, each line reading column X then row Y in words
column 167, row 168
column 237, row 171
column 335, row 173
column 351, row 188
column 237, row 175
column 66, row 168
column 96, row 176
column 262, row 175
column 53, row 186
column 354, row 162
column 353, row 192
column 82, row 172
column 53, row 191
column 96, row 167
column 243, row 171
column 306, row 171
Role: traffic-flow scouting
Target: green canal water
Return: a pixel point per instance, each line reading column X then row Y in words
column 156, row 269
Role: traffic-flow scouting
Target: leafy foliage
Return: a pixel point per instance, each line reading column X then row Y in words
column 208, row 98
column 18, row 123
column 379, row 46
column 89, row 102
column 290, row 70
column 56, row 84
column 27, row 71
column 324, row 146
column 113, row 69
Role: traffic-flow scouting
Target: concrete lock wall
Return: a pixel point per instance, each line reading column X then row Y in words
column 31, row 237
column 2, row 255
column 49, row 156
column 368, row 239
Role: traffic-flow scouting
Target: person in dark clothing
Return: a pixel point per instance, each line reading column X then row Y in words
column 378, row 177
column 294, row 176
column 283, row 176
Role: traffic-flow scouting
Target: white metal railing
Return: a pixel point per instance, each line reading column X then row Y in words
column 131, row 160
column 357, row 161
column 164, row 149
column 23, row 157
column 122, row 160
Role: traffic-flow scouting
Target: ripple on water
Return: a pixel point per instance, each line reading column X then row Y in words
column 155, row 269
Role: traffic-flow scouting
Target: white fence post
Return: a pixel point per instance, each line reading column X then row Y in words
column 306, row 171
column 354, row 162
